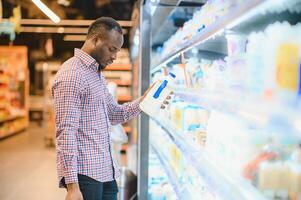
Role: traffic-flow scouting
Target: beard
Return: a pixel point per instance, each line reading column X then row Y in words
column 101, row 67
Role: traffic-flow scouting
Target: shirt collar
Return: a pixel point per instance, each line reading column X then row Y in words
column 88, row 60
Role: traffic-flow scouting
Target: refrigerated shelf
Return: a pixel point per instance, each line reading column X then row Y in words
column 269, row 114
column 237, row 14
column 180, row 190
column 226, row 185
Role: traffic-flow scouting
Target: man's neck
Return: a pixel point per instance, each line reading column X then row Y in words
column 86, row 49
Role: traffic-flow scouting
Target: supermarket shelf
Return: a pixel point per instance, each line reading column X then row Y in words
column 5, row 135
column 4, row 82
column 225, row 185
column 124, row 98
column 241, row 13
column 127, row 129
column 162, row 14
column 180, row 190
column 10, row 118
column 270, row 115
column 119, row 67
column 121, row 83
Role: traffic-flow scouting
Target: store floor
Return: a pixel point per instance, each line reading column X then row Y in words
column 27, row 167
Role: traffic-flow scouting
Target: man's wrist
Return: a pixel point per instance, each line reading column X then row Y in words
column 140, row 99
column 72, row 186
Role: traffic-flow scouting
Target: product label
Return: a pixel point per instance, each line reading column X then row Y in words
column 287, row 65
column 160, row 89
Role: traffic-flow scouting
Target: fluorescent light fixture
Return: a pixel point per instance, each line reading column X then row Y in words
column 74, row 38
column 64, row 2
column 46, row 11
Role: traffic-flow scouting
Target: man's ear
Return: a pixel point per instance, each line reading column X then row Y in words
column 96, row 41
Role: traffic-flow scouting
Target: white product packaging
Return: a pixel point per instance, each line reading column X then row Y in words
column 154, row 99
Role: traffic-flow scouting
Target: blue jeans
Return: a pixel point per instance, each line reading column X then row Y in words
column 95, row 190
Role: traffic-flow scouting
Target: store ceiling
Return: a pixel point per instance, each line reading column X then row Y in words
column 74, row 9
column 53, row 41
column 66, row 10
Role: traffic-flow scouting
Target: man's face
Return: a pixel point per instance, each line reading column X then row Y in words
column 106, row 48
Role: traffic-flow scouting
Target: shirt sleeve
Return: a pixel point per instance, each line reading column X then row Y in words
column 66, row 91
column 121, row 113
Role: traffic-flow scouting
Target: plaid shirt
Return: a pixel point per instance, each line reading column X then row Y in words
column 84, row 112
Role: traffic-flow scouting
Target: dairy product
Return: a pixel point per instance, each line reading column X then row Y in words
column 153, row 101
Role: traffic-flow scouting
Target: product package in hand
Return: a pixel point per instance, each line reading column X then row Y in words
column 158, row 96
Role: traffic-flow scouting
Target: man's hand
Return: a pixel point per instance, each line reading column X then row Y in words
column 74, row 192
column 165, row 102
column 147, row 91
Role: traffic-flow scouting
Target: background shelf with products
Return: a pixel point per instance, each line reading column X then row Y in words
column 235, row 114
column 179, row 189
column 41, row 105
column 161, row 183
column 120, row 73
column 239, row 16
column 14, row 84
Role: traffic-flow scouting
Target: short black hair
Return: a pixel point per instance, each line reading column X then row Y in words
column 103, row 24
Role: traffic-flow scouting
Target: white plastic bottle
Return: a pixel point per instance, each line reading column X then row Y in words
column 154, row 99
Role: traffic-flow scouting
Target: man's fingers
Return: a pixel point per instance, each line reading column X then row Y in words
column 166, row 102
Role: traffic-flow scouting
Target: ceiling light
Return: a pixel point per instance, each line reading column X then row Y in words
column 46, row 11
column 64, row 2
column 60, row 30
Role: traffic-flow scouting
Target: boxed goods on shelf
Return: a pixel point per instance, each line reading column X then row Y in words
column 125, row 76
column 13, row 89
column 276, row 68
column 187, row 117
column 201, row 19
column 12, row 127
column 159, row 187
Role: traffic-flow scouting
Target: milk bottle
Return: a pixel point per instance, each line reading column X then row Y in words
column 154, row 99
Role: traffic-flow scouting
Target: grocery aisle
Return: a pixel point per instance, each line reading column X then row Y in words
column 28, row 169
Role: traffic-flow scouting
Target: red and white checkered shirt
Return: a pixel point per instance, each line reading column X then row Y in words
column 84, row 112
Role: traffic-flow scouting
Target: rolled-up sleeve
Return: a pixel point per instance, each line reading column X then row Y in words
column 67, row 91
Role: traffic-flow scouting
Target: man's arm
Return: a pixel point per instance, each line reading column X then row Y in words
column 121, row 113
column 67, row 91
